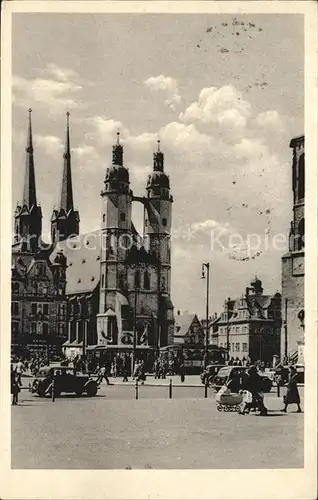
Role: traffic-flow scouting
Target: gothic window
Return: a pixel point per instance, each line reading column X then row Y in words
column 123, row 217
column 163, row 284
column 146, row 281
column 104, row 217
column 301, row 177
column 33, row 308
column 301, row 234
column 102, row 281
column 137, row 279
column 164, row 221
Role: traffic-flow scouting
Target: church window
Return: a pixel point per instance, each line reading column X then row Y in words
column 163, row 284
column 33, row 308
column 301, row 234
column 104, row 217
column 102, row 281
column 45, row 329
column 137, row 279
column 164, row 221
column 301, row 177
column 122, row 217
column 146, row 281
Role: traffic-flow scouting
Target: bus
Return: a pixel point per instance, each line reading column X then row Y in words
column 193, row 356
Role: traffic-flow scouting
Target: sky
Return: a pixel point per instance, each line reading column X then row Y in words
column 223, row 93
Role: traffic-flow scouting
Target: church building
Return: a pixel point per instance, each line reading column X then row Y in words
column 117, row 282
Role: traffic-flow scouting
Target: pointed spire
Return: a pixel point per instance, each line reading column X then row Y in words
column 158, row 159
column 67, row 189
column 29, row 193
column 118, row 151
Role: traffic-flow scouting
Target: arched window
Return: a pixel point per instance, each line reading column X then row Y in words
column 301, row 177
column 146, row 281
column 163, row 284
column 137, row 279
column 301, row 234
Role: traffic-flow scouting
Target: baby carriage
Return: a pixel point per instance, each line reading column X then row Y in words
column 227, row 400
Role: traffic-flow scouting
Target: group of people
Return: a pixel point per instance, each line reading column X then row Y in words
column 252, row 390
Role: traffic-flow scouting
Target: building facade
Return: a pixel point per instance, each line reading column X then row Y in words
column 116, row 284
column 250, row 326
column 38, row 283
column 188, row 330
column 293, row 262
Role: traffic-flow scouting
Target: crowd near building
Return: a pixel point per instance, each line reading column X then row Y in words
column 111, row 288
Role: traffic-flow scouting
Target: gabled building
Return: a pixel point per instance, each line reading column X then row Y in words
column 188, row 329
column 250, row 325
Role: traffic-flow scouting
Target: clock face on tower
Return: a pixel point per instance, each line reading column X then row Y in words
column 298, row 266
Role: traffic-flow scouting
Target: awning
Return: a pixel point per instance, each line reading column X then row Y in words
column 66, row 343
column 75, row 343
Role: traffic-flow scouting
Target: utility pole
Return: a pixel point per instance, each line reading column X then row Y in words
column 206, row 265
column 135, row 332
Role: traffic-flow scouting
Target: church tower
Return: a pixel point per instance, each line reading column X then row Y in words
column 115, row 241
column 293, row 262
column 157, row 234
column 65, row 220
column 28, row 216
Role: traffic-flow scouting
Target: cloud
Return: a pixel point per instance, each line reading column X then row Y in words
column 61, row 74
column 85, row 153
column 167, row 86
column 56, row 89
column 50, row 144
column 270, row 119
column 222, row 107
column 106, row 129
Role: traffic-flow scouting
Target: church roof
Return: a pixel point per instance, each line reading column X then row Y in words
column 83, row 262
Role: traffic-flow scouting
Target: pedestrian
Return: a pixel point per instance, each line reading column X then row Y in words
column 15, row 388
column 19, row 371
column 181, row 371
column 253, row 383
column 126, row 368
column 102, row 375
column 292, row 394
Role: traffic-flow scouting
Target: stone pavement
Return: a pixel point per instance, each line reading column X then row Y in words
column 113, row 430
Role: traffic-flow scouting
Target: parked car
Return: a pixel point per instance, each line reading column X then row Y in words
column 209, row 373
column 66, row 380
column 238, row 373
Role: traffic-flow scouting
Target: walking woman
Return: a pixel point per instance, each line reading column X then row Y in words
column 15, row 387
column 292, row 394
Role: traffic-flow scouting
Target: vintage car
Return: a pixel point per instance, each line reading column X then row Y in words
column 209, row 373
column 65, row 380
column 237, row 373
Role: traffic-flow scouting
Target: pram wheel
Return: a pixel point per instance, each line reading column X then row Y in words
column 219, row 407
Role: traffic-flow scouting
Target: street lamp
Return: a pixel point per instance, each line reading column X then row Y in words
column 206, row 265
column 228, row 327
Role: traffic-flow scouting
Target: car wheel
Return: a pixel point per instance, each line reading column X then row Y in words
column 91, row 389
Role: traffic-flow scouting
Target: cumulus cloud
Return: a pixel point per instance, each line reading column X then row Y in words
column 50, row 144
column 167, row 86
column 223, row 107
column 58, row 73
column 105, row 129
column 270, row 119
column 54, row 95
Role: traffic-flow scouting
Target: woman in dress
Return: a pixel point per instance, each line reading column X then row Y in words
column 15, row 387
column 292, row 394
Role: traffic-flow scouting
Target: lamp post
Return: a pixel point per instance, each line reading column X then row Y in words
column 228, row 327
column 134, row 330
column 206, row 265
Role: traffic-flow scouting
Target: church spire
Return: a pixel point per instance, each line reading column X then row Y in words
column 158, row 159
column 118, row 152
column 66, row 202
column 65, row 220
column 29, row 193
